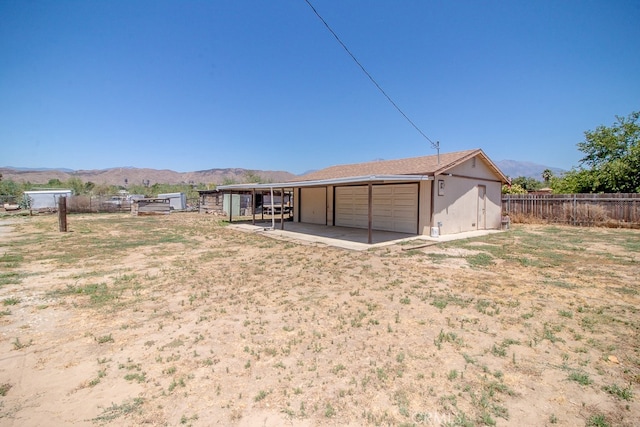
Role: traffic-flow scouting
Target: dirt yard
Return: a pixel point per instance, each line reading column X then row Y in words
column 178, row 320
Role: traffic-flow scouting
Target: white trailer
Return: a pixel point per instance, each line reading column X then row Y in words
column 45, row 199
column 177, row 201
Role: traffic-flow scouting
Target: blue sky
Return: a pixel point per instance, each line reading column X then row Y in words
column 193, row 85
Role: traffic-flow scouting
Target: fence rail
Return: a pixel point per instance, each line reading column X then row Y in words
column 621, row 210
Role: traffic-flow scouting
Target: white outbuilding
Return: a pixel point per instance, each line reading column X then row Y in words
column 45, row 199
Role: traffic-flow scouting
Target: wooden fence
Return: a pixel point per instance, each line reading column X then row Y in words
column 614, row 210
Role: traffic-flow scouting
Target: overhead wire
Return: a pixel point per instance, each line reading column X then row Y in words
column 436, row 144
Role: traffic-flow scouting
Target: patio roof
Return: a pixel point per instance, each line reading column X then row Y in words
column 329, row 181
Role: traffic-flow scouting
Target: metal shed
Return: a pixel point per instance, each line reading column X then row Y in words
column 45, row 199
column 177, row 201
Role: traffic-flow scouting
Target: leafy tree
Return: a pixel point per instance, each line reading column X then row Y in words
column 527, row 183
column 104, row 189
column 138, row 189
column 612, row 160
column 575, row 181
column 250, row 177
column 513, row 189
column 10, row 188
column 547, row 175
column 54, row 182
column 228, row 181
column 75, row 184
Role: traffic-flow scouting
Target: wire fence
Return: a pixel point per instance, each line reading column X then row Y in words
column 80, row 204
column 612, row 210
column 97, row 204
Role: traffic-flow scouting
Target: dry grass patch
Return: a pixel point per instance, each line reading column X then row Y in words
column 192, row 323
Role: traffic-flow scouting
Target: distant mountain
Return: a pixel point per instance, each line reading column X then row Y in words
column 514, row 169
column 308, row 172
column 36, row 169
column 117, row 176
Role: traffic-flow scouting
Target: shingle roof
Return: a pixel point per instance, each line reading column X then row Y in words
column 425, row 165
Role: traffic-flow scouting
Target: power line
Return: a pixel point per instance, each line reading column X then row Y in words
column 436, row 144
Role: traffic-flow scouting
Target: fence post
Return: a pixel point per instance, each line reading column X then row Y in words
column 62, row 213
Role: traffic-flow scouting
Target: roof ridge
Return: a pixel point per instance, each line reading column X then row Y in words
column 451, row 153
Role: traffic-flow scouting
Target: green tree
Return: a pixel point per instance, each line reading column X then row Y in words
column 228, row 181
column 547, row 175
column 611, row 162
column 75, row 184
column 250, row 177
column 105, row 190
column 10, row 188
column 529, row 184
column 513, row 189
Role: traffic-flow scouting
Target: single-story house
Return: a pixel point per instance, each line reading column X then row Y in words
column 435, row 195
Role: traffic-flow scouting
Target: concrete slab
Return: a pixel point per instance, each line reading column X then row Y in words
column 344, row 237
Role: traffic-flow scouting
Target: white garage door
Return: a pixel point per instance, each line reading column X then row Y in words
column 394, row 207
column 352, row 206
column 313, row 205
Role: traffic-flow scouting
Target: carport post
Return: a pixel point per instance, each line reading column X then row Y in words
column 282, row 209
column 230, row 206
column 370, row 240
column 253, row 206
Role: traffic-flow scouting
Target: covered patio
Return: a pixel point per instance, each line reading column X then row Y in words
column 341, row 237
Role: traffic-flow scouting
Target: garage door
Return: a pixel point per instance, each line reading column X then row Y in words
column 313, row 205
column 394, row 207
column 352, row 206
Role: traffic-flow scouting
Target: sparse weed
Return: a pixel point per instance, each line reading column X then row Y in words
column 260, row 396
column 17, row 344
column 104, row 339
column 580, row 377
column 11, row 301
column 116, row 411
column 622, row 393
column 4, row 389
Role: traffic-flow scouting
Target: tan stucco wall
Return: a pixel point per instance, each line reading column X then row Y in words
column 457, row 209
column 481, row 169
column 424, row 207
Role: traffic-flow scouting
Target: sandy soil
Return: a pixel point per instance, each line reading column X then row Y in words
column 176, row 320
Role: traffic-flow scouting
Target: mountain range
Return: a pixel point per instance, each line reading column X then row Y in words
column 515, row 168
column 132, row 175
column 117, row 176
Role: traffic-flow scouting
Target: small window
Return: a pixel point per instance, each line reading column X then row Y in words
column 473, row 162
